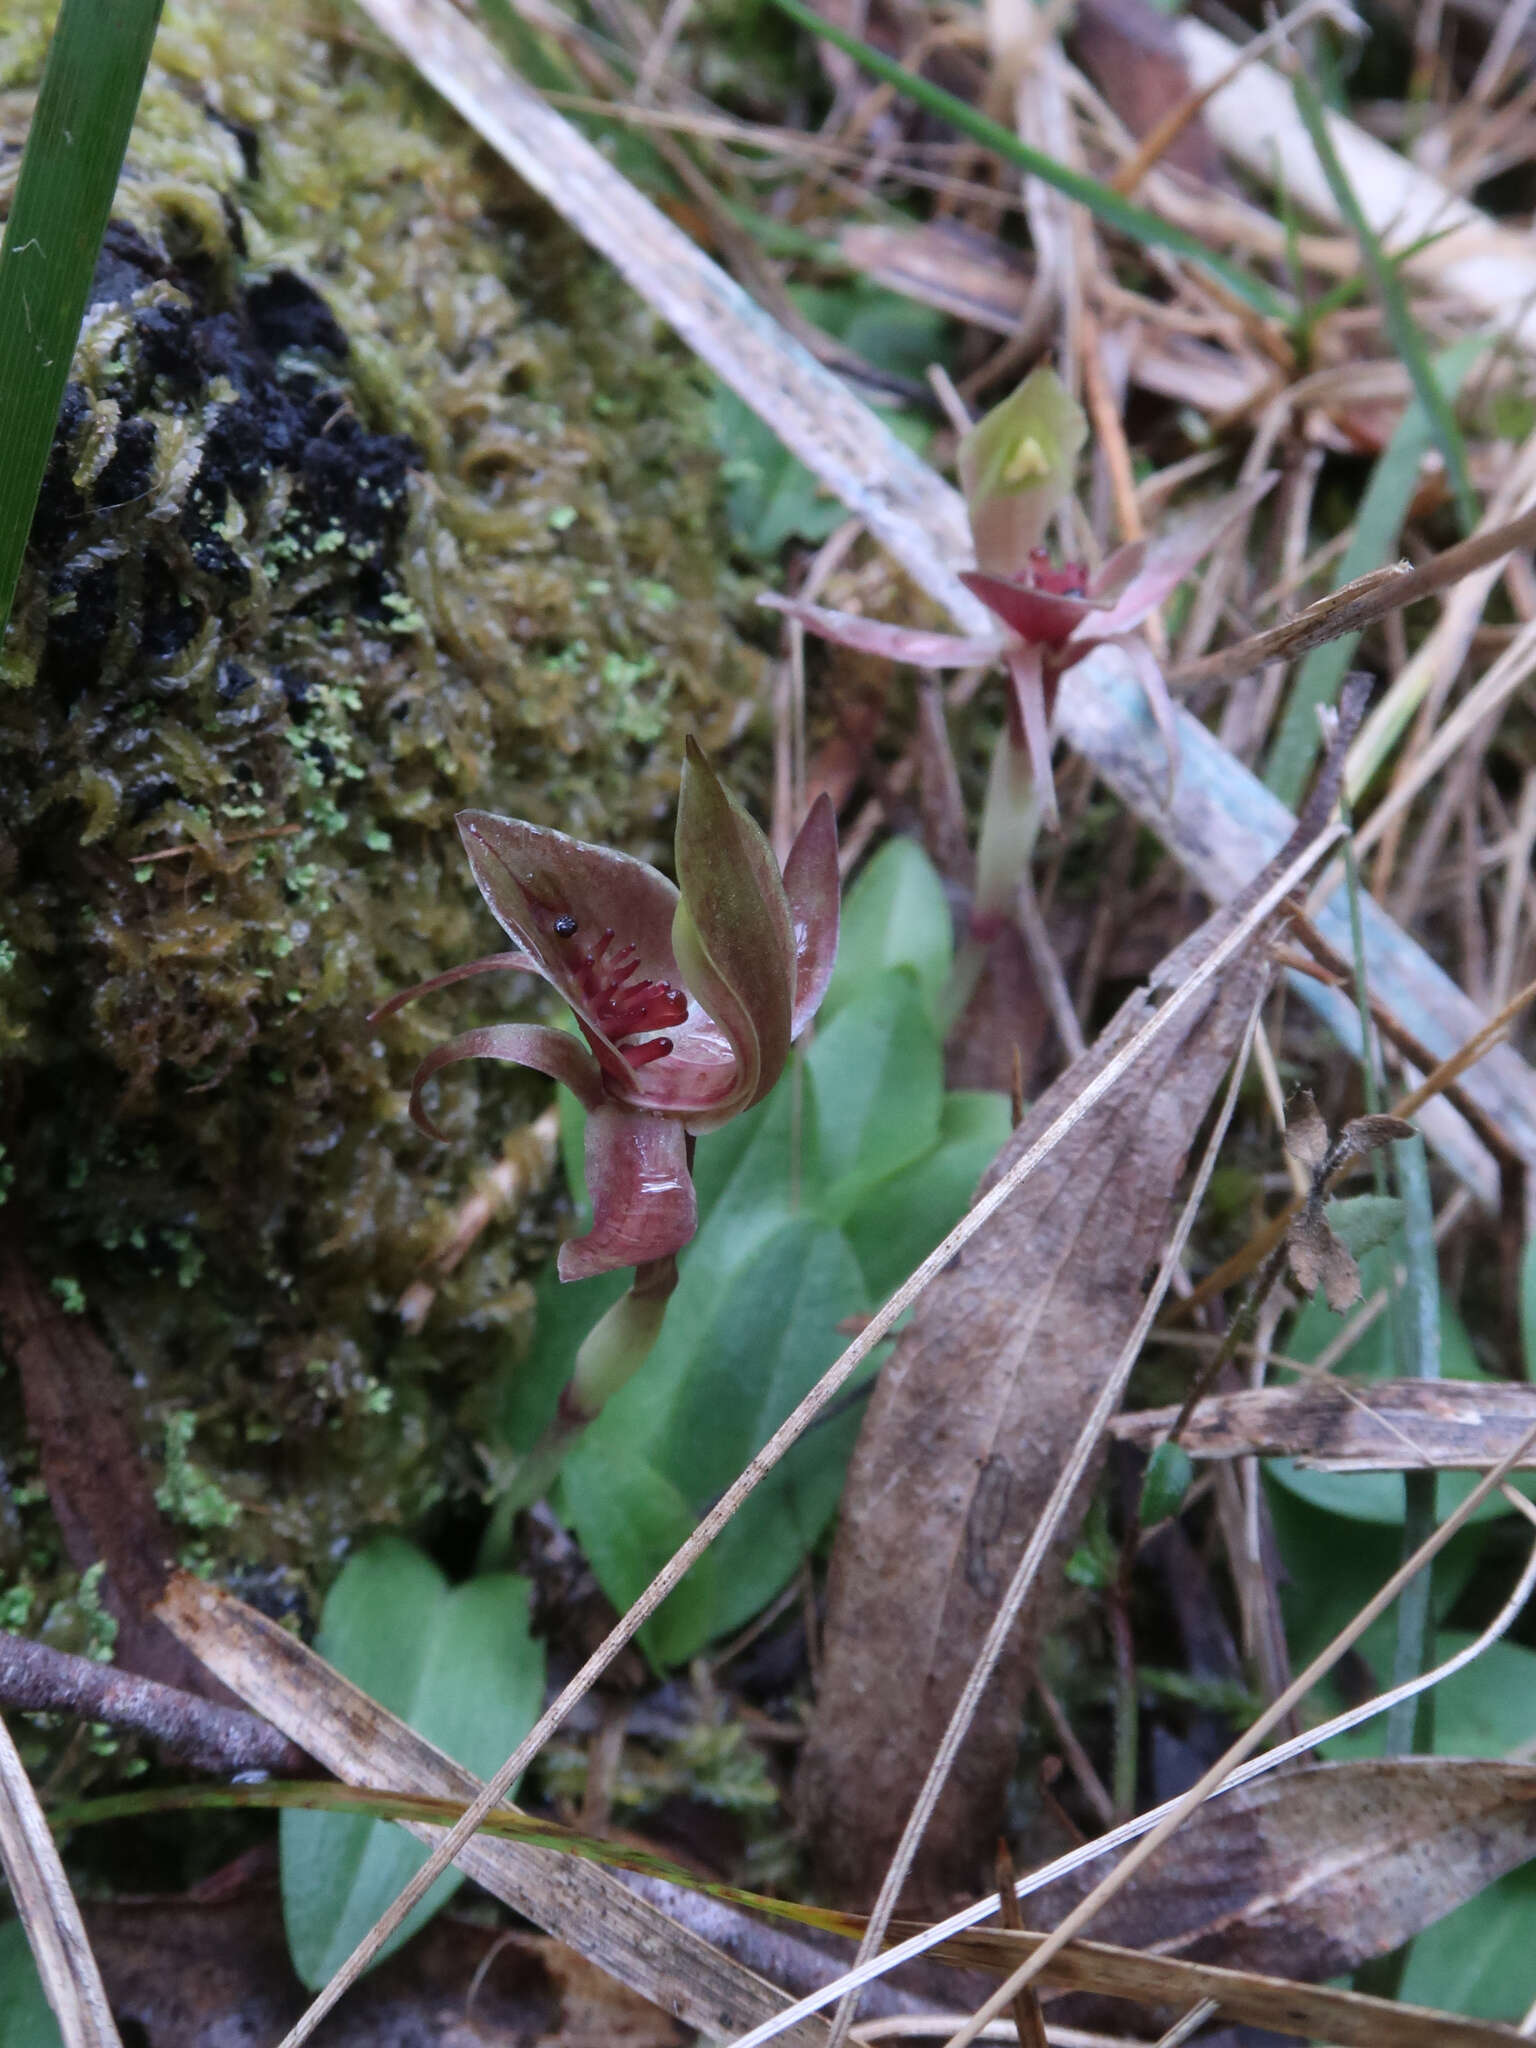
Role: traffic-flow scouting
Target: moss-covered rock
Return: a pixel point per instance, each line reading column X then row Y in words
column 373, row 495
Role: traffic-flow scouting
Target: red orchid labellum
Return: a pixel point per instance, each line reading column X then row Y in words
column 688, row 998
column 1016, row 467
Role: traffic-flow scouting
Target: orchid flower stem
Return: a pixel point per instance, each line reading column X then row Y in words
column 1010, row 828
column 611, row 1353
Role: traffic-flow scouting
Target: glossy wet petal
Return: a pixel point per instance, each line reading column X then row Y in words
column 891, row 643
column 558, row 896
column 546, row 1051
column 643, row 1203
column 811, row 884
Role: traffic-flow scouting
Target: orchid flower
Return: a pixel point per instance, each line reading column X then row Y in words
column 687, row 998
column 1016, row 467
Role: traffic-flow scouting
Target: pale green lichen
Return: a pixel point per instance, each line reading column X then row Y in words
column 374, row 496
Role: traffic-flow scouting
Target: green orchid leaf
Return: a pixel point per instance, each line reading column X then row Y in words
column 895, row 915
column 459, row 1665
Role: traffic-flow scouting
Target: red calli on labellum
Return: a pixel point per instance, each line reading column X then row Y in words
column 688, row 998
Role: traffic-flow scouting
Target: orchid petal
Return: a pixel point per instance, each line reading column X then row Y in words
column 732, row 931
column 1038, row 616
column 1016, row 465
column 643, row 1203
column 550, row 1052
column 494, row 963
column 1150, row 676
column 1029, row 701
column 876, row 636
column 534, row 879
column 811, row 884
column 1169, row 559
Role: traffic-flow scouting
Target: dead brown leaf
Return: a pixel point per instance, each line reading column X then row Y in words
column 1312, row 1871
column 1130, row 49
column 968, row 1429
column 1354, row 1426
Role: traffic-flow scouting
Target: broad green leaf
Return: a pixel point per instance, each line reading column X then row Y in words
column 1332, row 1566
column 899, row 1221
column 458, row 1665
column 1481, row 1959
column 895, row 915
column 874, row 1088
column 26, row 2017
column 1488, row 1709
column 738, row 1351
column 630, row 1520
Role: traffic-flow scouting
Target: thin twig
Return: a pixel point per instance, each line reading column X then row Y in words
column 35, row 1679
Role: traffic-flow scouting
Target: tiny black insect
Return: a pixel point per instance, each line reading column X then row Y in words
column 565, row 927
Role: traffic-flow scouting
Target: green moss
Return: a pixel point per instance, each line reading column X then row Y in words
column 373, row 496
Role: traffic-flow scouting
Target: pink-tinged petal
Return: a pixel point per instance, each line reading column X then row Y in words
column 554, row 1053
column 1033, row 713
column 1119, row 572
column 643, row 1203
column 811, row 884
column 1038, row 616
column 494, row 963
column 893, row 643
column 1150, row 677
column 559, row 896
column 732, row 931
column 1169, row 559
column 1016, row 465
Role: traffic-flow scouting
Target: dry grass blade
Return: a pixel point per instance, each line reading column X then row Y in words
column 1310, row 1872
column 1375, row 1426
column 1345, row 2017
column 1255, row 119
column 30, row 1858
column 1224, row 823
column 1249, row 1741
column 1361, row 604
column 929, row 1940
column 354, row 1737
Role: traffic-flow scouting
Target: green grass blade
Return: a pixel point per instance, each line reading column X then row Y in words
column 1101, row 200
column 1383, row 509
column 69, row 171
column 1388, row 287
